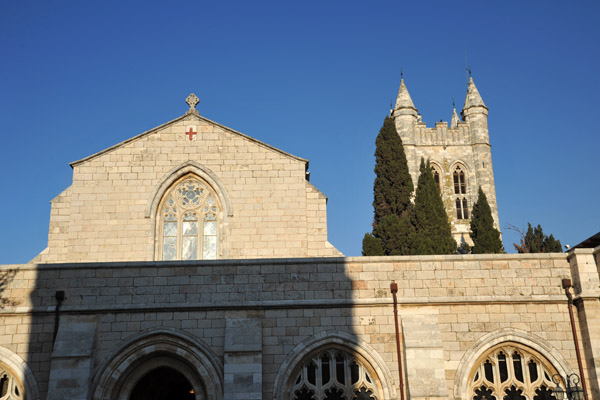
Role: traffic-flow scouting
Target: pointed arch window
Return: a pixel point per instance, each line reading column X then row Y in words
column 334, row 374
column 462, row 208
column 511, row 371
column 460, row 180
column 10, row 388
column 188, row 221
column 437, row 175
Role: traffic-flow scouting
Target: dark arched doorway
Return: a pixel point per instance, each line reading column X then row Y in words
column 163, row 383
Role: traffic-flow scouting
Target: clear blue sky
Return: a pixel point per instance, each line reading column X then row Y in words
column 313, row 78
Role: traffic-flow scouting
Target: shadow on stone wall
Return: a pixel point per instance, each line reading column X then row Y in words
column 6, row 277
column 266, row 329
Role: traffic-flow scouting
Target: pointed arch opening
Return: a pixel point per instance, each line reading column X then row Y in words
column 169, row 362
column 17, row 381
column 436, row 169
column 508, row 362
column 513, row 371
column 331, row 364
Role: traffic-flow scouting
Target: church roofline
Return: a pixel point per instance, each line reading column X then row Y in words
column 181, row 118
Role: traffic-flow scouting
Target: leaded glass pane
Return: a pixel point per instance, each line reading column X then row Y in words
column 311, row 374
column 169, row 248
column 209, row 248
column 517, row 366
column 190, row 228
column 503, row 368
column 170, row 229
column 533, row 374
column 210, row 228
column 189, row 249
column 325, row 373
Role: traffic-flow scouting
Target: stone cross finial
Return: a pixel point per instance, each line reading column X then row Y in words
column 192, row 100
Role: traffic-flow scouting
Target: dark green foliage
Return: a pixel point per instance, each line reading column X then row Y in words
column 552, row 245
column 397, row 235
column 486, row 238
column 393, row 230
column 371, row 246
column 393, row 185
column 534, row 241
column 434, row 235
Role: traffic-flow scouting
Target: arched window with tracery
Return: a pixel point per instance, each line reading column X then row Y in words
column 460, row 188
column 188, row 221
column 10, row 388
column 462, row 208
column 510, row 371
column 437, row 175
column 334, row 374
column 460, row 180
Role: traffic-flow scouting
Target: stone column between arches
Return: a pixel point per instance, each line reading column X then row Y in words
column 72, row 359
column 243, row 357
column 424, row 355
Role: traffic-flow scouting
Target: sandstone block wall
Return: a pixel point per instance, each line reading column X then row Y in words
column 463, row 297
column 107, row 213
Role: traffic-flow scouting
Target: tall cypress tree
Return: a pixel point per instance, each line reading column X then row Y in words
column 434, row 235
column 486, row 238
column 393, row 186
column 393, row 231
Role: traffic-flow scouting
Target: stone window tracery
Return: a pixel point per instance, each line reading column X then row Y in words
column 188, row 221
column 460, row 188
column 10, row 388
column 510, row 371
column 437, row 175
column 460, row 180
column 333, row 374
column 462, row 208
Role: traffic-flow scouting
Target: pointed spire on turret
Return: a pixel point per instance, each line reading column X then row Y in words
column 473, row 98
column 455, row 120
column 403, row 100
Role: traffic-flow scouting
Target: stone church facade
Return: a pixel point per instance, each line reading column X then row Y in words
column 192, row 262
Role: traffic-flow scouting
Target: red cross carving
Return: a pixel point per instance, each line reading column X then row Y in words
column 190, row 133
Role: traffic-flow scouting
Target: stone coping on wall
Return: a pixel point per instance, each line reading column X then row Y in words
column 313, row 260
column 285, row 283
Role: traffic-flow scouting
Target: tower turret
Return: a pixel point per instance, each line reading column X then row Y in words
column 405, row 115
column 475, row 114
column 455, row 120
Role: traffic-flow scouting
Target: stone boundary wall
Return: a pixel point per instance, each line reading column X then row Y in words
column 296, row 299
column 285, row 282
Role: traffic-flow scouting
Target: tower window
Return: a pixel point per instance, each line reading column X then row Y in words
column 460, row 181
column 462, row 208
column 188, row 222
column 437, row 175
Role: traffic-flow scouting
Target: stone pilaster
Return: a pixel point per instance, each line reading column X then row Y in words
column 243, row 359
column 424, row 354
column 71, row 361
column 586, row 284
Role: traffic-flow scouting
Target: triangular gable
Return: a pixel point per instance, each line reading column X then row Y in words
column 182, row 118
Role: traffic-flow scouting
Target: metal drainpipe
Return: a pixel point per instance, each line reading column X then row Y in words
column 566, row 284
column 60, row 297
column 394, row 290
